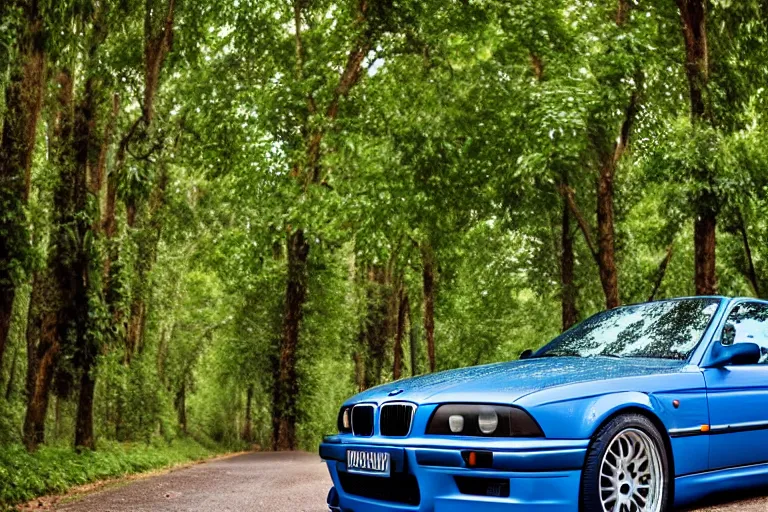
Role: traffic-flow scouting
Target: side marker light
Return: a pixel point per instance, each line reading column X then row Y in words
column 477, row 459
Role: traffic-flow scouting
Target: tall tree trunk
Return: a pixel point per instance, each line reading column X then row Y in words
column 181, row 406
column 704, row 240
column 50, row 304
column 12, row 377
column 286, row 385
column 307, row 172
column 85, row 361
column 42, row 363
column 93, row 134
column 428, row 283
column 359, row 359
column 135, row 331
column 608, row 159
column 380, row 321
column 569, row 314
column 84, row 424
column 248, row 428
column 693, row 14
column 402, row 311
column 157, row 45
column 606, row 243
column 42, row 354
column 23, row 102
column 606, row 239
column 88, row 144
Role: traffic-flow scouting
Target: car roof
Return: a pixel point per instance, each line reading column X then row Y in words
column 718, row 297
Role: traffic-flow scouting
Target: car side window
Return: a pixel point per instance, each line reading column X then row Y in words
column 748, row 322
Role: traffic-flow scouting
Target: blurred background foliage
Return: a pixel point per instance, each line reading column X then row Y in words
column 219, row 219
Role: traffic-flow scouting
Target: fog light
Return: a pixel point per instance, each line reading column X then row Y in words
column 456, row 423
column 487, row 421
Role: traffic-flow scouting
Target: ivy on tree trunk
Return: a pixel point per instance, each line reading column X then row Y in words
column 23, row 104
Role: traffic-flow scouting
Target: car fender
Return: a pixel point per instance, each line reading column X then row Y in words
column 606, row 406
column 581, row 417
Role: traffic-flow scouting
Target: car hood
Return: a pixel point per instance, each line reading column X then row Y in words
column 510, row 381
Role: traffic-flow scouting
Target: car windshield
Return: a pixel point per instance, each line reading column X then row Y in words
column 665, row 329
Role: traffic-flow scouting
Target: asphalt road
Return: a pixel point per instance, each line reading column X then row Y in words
column 284, row 482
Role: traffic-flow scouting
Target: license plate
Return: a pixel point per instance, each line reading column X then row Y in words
column 368, row 462
column 493, row 490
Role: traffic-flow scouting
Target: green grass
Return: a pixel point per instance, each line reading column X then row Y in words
column 25, row 476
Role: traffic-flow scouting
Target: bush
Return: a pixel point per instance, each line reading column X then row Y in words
column 24, row 475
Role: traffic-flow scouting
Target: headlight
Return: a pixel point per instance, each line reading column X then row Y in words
column 487, row 421
column 456, row 423
column 344, row 422
column 482, row 420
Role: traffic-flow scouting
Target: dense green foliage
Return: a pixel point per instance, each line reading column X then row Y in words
column 269, row 205
column 50, row 470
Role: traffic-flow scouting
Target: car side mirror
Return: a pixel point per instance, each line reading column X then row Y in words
column 738, row 353
column 526, row 354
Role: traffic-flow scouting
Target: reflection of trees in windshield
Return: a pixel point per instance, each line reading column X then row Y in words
column 669, row 330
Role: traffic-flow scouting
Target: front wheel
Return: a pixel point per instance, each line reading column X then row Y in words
column 627, row 468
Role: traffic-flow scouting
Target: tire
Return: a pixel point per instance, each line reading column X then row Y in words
column 627, row 468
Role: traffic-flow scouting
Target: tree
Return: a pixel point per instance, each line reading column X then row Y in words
column 50, row 310
column 23, row 104
column 367, row 22
column 693, row 14
column 229, row 216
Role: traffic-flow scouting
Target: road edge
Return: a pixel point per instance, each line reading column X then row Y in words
column 50, row 501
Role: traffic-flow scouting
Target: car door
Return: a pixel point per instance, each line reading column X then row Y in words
column 738, row 394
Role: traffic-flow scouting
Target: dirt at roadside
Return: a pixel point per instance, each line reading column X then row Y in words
column 50, row 502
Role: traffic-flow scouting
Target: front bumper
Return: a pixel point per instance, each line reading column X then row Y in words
column 542, row 475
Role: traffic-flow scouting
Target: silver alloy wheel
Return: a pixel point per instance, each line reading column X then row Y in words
column 631, row 474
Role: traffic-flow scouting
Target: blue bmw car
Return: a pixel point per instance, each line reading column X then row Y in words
column 641, row 408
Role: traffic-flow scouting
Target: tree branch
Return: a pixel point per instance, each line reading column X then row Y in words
column 568, row 195
column 348, row 78
column 156, row 48
column 299, row 44
column 622, row 12
column 300, row 53
column 156, row 147
column 630, row 114
column 751, row 273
